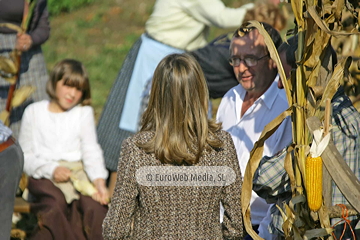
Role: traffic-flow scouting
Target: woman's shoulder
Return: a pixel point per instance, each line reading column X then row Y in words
column 141, row 137
column 223, row 135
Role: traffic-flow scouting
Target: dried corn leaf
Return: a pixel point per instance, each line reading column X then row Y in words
column 4, row 117
column 296, row 200
column 255, row 157
column 11, row 80
column 315, row 233
column 327, row 8
column 26, row 21
column 85, row 187
column 288, row 165
column 283, row 215
column 297, row 7
column 339, row 4
column 11, row 26
column 7, row 65
column 333, row 85
column 324, row 217
column 323, row 26
column 21, row 94
column 297, row 235
column 300, row 218
column 274, row 56
column 323, row 64
column 289, row 218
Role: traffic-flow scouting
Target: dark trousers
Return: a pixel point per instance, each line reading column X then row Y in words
column 57, row 220
column 11, row 167
column 255, row 228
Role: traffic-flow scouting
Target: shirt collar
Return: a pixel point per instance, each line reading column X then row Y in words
column 271, row 93
column 268, row 97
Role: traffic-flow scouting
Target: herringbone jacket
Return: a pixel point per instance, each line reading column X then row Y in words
column 173, row 212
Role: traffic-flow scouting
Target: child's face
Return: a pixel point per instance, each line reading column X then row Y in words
column 67, row 96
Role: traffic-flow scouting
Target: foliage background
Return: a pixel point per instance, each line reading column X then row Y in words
column 100, row 33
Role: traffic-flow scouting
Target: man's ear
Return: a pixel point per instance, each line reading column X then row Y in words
column 274, row 65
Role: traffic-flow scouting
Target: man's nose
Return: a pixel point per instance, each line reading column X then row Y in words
column 242, row 66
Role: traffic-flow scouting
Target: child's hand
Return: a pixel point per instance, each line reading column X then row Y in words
column 61, row 174
column 102, row 195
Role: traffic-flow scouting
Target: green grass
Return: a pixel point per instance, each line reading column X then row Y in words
column 56, row 6
column 100, row 35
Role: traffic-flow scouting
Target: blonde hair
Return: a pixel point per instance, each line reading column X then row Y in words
column 74, row 74
column 177, row 112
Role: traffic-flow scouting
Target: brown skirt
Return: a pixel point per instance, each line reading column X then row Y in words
column 57, row 220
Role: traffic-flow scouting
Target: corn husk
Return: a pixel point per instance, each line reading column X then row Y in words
column 4, row 117
column 21, row 94
column 85, row 187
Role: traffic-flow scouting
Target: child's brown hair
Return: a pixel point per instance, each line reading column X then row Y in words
column 74, row 74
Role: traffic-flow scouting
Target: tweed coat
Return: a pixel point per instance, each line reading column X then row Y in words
column 173, row 212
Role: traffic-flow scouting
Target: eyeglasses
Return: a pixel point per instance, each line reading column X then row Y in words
column 249, row 61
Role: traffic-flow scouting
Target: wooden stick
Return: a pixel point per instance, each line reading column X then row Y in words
column 327, row 186
column 327, row 116
column 13, row 86
column 336, row 211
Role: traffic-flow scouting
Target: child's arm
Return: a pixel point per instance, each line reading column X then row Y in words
column 102, row 194
column 92, row 155
column 34, row 165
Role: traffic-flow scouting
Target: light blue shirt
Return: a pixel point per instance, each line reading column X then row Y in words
column 5, row 132
column 151, row 52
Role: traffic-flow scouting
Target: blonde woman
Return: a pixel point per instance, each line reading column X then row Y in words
column 176, row 133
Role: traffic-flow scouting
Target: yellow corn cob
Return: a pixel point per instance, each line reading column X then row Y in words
column 313, row 171
column 85, row 187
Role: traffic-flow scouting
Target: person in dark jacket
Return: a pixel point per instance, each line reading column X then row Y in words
column 33, row 68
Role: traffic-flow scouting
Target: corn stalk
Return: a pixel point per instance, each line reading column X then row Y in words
column 316, row 23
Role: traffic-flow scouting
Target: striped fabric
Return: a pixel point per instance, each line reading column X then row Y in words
column 110, row 136
column 32, row 72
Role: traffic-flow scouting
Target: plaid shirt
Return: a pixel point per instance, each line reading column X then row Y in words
column 271, row 181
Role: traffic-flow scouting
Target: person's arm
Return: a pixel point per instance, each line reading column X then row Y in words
column 233, row 227
column 102, row 194
column 39, row 26
column 34, row 165
column 92, row 154
column 283, row 136
column 215, row 13
column 271, row 181
column 117, row 223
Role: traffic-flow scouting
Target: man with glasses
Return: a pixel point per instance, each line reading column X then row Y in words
column 248, row 107
column 272, row 182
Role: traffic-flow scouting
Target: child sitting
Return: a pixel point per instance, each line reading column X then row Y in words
column 62, row 156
